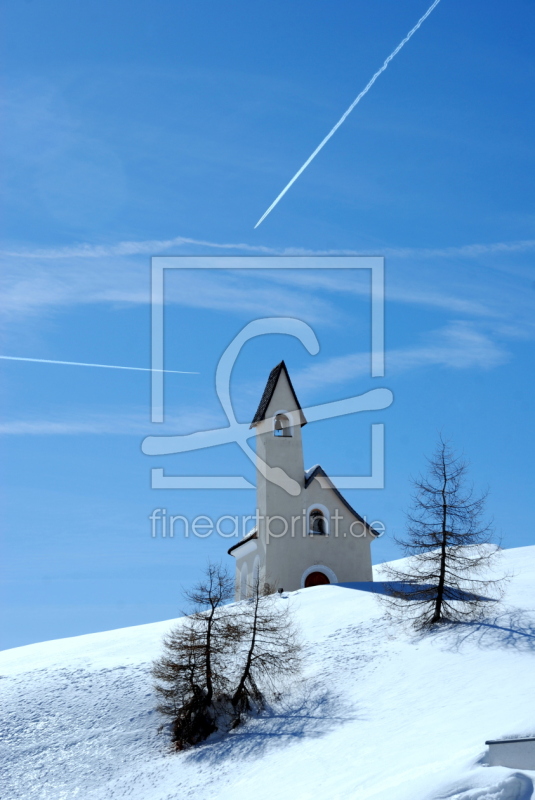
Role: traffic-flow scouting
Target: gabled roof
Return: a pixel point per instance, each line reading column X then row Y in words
column 320, row 472
column 251, row 535
column 272, row 381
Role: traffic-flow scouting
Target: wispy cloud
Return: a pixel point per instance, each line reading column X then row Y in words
column 156, row 246
column 111, row 424
column 464, row 251
column 459, row 345
column 31, row 286
column 38, row 279
column 132, row 248
column 397, row 290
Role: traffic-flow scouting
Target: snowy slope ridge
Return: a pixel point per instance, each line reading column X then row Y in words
column 380, row 713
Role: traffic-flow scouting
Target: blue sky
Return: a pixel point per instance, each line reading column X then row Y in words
column 133, row 130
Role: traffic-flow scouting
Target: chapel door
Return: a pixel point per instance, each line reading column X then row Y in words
column 316, row 579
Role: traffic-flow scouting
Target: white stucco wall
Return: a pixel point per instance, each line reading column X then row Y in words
column 345, row 552
column 245, row 564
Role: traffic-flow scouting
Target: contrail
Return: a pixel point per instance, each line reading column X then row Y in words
column 349, row 110
column 103, row 366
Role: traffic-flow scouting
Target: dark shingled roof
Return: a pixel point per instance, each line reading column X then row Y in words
column 319, row 471
column 272, row 381
column 511, row 741
column 252, row 535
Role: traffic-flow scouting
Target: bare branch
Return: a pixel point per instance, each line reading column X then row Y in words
column 223, row 660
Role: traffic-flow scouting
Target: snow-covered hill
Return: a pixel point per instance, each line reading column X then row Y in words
column 380, row 713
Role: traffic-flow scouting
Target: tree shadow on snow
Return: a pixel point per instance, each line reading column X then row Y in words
column 314, row 713
column 388, row 588
column 511, row 629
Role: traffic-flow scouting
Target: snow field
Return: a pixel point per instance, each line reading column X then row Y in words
column 379, row 714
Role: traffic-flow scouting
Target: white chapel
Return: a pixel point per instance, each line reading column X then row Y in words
column 306, row 533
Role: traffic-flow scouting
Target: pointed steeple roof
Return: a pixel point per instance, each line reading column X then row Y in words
column 272, row 381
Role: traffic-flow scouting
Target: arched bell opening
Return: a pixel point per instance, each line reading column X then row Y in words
column 282, row 425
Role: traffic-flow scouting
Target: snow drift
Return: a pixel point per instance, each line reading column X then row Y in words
column 380, row 712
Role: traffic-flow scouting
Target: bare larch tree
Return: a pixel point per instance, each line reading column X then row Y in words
column 222, row 661
column 270, row 650
column 191, row 673
column 448, row 575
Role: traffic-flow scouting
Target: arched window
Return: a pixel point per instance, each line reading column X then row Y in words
column 243, row 582
column 256, row 576
column 318, row 522
column 281, row 425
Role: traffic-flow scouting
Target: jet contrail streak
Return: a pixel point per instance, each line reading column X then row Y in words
column 103, row 366
column 349, row 110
